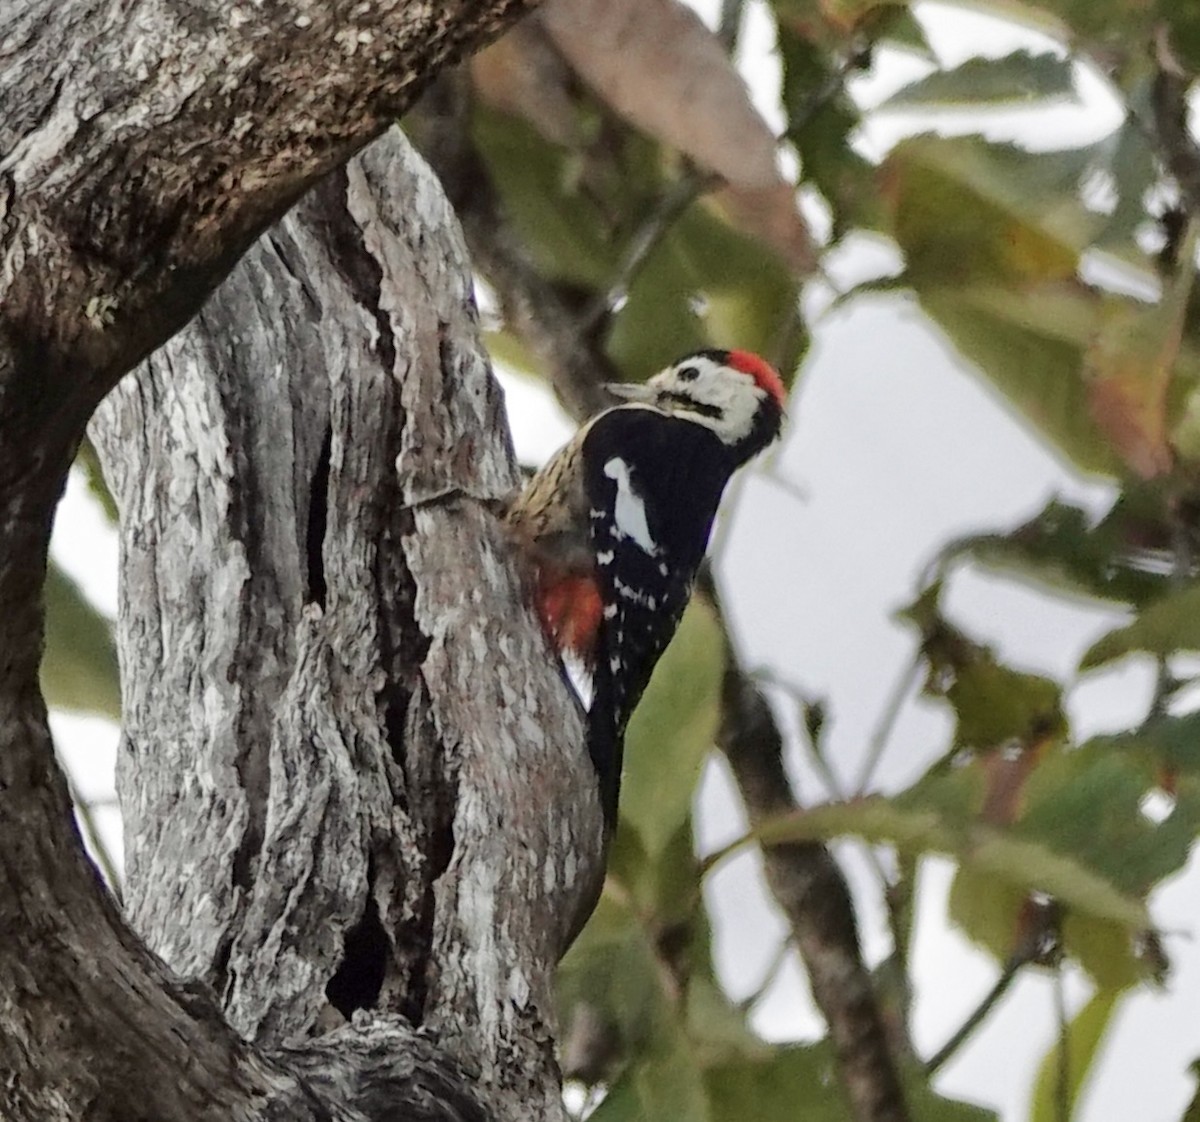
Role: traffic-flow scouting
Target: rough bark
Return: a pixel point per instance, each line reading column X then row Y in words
column 348, row 767
column 143, row 146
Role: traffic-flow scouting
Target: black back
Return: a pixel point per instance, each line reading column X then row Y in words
column 678, row 469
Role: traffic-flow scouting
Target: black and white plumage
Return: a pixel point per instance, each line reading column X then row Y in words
column 616, row 525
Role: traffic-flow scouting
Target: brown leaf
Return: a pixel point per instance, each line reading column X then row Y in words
column 523, row 74
column 1127, row 373
column 1134, row 422
column 1006, row 771
column 769, row 215
column 657, row 65
column 1129, row 366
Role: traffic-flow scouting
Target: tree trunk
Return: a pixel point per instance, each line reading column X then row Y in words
column 353, row 781
column 351, row 776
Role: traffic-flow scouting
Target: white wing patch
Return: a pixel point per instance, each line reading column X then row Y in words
column 629, row 516
column 580, row 678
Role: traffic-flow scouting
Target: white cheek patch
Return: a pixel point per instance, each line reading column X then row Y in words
column 629, row 515
column 732, row 394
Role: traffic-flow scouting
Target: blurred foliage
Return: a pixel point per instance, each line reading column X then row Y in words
column 1053, row 1097
column 1057, row 843
column 668, row 229
column 79, row 666
column 637, row 213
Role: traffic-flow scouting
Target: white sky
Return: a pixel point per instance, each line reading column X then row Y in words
column 897, row 448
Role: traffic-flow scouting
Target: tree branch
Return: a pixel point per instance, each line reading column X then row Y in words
column 812, row 892
column 146, row 145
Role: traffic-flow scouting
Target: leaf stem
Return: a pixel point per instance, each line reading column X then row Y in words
column 1007, row 976
column 892, row 709
column 1062, row 1075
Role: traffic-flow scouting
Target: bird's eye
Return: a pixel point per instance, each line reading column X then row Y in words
column 688, row 373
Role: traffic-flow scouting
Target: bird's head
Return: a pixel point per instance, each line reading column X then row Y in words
column 735, row 393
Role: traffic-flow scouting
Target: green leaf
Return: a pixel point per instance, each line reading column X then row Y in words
column 1087, row 803
column 1030, row 345
column 1168, row 744
column 1128, row 157
column 1183, row 19
column 1061, row 551
column 994, row 913
column 1025, row 864
column 79, row 667
column 1104, row 949
column 717, row 1027
column 1083, row 1039
column 899, row 28
column 992, row 236
column 565, row 229
column 1192, row 1114
column 928, row 1106
column 796, row 1081
column 1169, row 625
column 821, row 122
column 964, row 209
column 706, row 284
column 613, row 968
column 664, row 888
column 995, row 704
column 1017, row 78
column 1129, row 366
column 665, row 1083
column 990, row 912
column 672, row 730
column 89, row 462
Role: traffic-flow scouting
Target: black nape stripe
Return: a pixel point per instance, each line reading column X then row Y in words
column 694, row 406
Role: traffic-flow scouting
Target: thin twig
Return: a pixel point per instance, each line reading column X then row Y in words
column 781, row 482
column 887, row 722
column 947, row 1051
column 820, row 762
column 730, row 24
column 777, row 963
column 104, row 859
column 804, row 705
column 669, row 209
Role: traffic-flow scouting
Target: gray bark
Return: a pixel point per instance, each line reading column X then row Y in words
column 343, row 749
column 348, row 762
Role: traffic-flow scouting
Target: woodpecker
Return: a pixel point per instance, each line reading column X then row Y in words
column 615, row 526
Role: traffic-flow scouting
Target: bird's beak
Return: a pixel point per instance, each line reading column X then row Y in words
column 630, row 391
